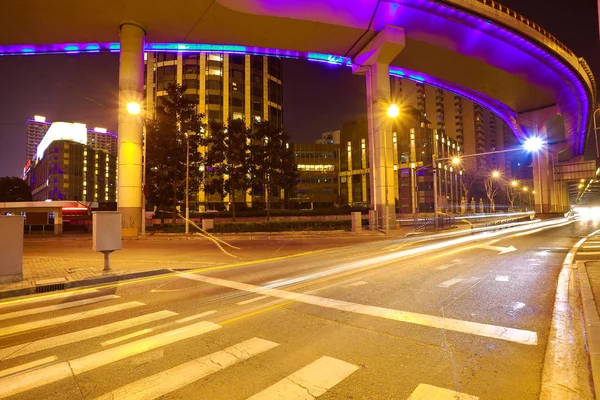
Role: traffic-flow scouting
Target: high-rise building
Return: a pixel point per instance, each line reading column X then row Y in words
column 223, row 85
column 414, row 142
column 473, row 127
column 74, row 163
column 35, row 130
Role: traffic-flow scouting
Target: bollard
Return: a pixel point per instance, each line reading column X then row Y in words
column 356, row 221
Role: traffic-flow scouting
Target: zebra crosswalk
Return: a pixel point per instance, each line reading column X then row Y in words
column 112, row 332
column 125, row 338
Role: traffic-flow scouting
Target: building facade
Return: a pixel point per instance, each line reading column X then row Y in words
column 473, row 127
column 35, row 130
column 224, row 86
column 318, row 169
column 71, row 163
column 414, row 143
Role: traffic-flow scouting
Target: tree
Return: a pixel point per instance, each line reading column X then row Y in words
column 228, row 159
column 490, row 190
column 14, row 189
column 512, row 190
column 176, row 129
column 273, row 162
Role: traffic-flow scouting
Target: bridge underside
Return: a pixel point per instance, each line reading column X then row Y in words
column 469, row 48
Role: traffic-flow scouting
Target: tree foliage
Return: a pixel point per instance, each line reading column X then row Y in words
column 228, row 160
column 273, row 164
column 176, row 126
column 14, row 189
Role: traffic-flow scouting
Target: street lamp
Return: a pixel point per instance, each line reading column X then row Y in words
column 514, row 183
column 134, row 108
column 495, row 174
column 393, row 111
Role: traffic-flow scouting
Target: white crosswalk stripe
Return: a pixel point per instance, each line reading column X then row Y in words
column 49, row 297
column 78, row 336
column 309, row 382
column 429, row 392
column 25, row 381
column 175, row 378
column 56, row 307
column 27, row 326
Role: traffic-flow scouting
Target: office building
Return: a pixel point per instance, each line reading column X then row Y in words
column 318, row 169
column 224, row 86
column 35, row 130
column 332, row 137
column 414, row 142
column 473, row 127
column 72, row 163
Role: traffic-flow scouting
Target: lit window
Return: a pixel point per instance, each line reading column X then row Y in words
column 215, row 57
column 214, row 71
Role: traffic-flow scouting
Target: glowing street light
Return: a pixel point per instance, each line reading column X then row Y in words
column 525, row 188
column 514, row 183
column 533, row 144
column 455, row 160
column 495, row 174
column 134, row 108
column 393, row 111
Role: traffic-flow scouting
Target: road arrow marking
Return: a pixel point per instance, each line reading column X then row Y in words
column 502, row 250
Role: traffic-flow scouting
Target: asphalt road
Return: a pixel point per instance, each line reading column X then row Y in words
column 383, row 320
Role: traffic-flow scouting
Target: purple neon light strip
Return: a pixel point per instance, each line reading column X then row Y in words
column 483, row 25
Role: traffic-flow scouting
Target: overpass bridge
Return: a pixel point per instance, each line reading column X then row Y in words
column 476, row 48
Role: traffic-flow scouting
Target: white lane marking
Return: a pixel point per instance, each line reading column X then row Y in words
column 443, row 267
column 429, row 392
column 588, row 253
column 502, row 278
column 193, row 317
column 474, row 328
column 175, row 378
column 78, row 336
column 126, row 337
column 32, row 311
column 500, row 249
column 241, row 303
column 23, row 367
column 450, row 282
column 359, row 283
column 15, row 384
column 30, row 300
column 309, row 382
column 68, row 318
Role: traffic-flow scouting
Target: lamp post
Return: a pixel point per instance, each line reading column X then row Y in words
column 392, row 112
column 596, row 132
column 187, row 184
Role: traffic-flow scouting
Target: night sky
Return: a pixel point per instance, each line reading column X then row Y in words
column 317, row 97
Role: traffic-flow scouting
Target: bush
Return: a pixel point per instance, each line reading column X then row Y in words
column 270, row 226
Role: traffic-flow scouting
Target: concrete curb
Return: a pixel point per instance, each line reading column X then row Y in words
column 5, row 294
column 591, row 323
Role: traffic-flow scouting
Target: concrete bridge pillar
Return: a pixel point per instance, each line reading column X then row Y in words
column 131, row 90
column 373, row 61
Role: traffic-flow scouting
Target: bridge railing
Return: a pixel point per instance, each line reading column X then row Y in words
column 497, row 6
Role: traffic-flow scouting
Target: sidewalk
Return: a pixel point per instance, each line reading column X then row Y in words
column 70, row 260
column 589, row 286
